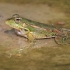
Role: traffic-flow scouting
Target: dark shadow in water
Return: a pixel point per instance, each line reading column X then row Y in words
column 59, row 65
column 12, row 31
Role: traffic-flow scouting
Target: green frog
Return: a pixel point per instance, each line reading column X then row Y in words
column 33, row 30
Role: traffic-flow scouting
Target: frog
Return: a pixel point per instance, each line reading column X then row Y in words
column 33, row 30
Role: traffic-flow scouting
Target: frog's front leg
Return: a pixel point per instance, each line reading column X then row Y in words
column 30, row 36
column 26, row 33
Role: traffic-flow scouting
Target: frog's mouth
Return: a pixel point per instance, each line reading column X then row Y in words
column 13, row 24
column 10, row 23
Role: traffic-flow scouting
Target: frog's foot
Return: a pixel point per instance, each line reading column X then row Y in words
column 60, row 40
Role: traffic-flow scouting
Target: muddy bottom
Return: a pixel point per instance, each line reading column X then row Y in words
column 16, row 53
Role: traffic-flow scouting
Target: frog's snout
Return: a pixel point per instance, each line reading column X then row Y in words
column 7, row 21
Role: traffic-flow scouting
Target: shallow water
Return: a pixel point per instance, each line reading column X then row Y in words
column 16, row 53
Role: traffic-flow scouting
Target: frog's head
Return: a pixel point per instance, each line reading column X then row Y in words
column 15, row 21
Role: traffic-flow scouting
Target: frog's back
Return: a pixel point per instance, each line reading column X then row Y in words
column 31, row 22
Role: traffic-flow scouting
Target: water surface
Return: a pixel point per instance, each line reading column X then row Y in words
column 16, row 53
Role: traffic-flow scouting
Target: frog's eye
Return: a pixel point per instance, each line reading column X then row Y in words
column 17, row 19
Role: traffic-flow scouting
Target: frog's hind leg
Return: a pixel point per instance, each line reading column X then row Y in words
column 60, row 39
column 57, row 39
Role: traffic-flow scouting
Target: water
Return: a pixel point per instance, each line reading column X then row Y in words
column 16, row 53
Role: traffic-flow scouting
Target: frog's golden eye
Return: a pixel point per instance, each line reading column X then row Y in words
column 17, row 19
